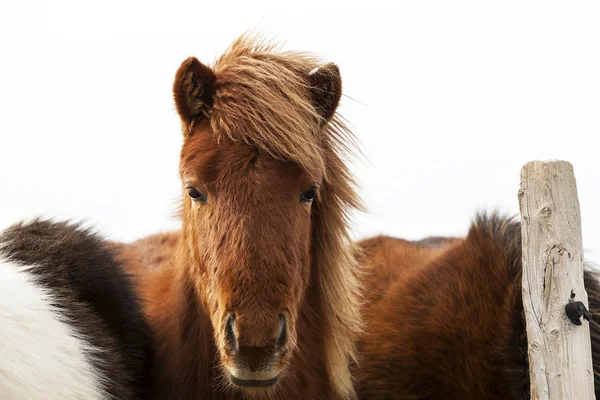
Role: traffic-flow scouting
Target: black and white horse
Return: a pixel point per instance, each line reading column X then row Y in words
column 71, row 326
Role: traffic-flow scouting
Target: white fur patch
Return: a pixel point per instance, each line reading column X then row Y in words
column 41, row 355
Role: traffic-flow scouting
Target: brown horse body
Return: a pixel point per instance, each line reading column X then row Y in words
column 451, row 315
column 258, row 295
column 445, row 317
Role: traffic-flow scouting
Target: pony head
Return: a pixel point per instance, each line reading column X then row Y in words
column 266, row 198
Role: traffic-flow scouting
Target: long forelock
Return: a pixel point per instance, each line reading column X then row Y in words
column 263, row 99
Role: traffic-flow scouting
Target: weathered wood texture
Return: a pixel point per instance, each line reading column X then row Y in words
column 560, row 357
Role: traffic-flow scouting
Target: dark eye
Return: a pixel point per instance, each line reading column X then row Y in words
column 309, row 194
column 195, row 194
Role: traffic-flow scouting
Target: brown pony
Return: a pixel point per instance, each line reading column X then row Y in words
column 258, row 295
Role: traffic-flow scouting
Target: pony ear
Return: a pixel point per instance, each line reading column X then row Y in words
column 326, row 89
column 193, row 91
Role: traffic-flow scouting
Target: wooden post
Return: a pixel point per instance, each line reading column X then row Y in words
column 560, row 355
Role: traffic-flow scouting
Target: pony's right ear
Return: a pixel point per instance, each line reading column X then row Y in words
column 326, row 89
column 193, row 91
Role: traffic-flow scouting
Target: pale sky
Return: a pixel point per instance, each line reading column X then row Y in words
column 448, row 98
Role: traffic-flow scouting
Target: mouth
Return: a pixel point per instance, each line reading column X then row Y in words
column 253, row 382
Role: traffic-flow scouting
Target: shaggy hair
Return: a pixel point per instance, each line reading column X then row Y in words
column 446, row 317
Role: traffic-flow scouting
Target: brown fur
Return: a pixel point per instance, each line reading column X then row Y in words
column 445, row 317
column 259, row 128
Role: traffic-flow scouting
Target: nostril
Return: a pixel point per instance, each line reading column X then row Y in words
column 230, row 336
column 282, row 334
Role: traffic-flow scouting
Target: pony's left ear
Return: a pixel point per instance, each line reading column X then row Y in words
column 326, row 89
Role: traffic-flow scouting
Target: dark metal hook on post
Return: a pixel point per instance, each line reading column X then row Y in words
column 575, row 310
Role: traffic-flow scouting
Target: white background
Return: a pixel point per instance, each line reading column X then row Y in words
column 448, row 98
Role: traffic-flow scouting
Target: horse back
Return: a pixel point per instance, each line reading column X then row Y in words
column 90, row 307
column 447, row 321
